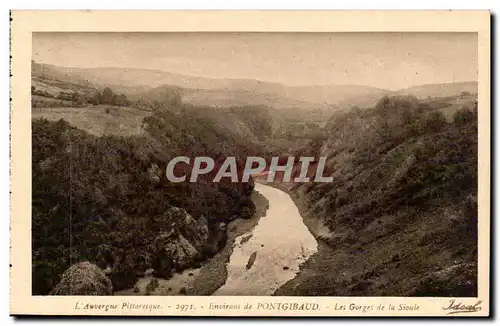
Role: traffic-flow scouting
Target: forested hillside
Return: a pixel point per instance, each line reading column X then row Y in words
column 400, row 217
column 106, row 199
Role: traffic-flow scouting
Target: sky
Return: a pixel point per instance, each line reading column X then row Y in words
column 385, row 60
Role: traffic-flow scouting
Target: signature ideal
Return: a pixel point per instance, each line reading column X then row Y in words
column 457, row 307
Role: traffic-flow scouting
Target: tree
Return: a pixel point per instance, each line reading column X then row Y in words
column 107, row 96
column 435, row 122
column 121, row 100
column 169, row 97
column 464, row 115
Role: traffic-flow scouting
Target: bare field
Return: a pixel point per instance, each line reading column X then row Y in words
column 98, row 120
column 457, row 104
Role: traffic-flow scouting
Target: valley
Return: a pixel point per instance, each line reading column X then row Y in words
column 398, row 219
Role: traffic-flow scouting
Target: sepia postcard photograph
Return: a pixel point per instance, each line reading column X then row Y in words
column 250, row 163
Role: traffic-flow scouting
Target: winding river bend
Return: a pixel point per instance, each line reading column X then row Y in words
column 269, row 255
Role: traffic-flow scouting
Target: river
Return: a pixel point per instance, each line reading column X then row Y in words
column 269, row 255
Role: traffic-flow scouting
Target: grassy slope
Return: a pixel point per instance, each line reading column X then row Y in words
column 98, row 120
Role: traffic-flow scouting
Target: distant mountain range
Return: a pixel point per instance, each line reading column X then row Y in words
column 232, row 92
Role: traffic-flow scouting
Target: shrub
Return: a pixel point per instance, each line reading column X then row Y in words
column 83, row 279
column 107, row 96
column 464, row 116
column 435, row 121
column 42, row 93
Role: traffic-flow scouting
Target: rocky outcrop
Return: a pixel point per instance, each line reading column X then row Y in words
column 182, row 245
column 154, row 174
column 251, row 260
column 194, row 230
column 83, row 279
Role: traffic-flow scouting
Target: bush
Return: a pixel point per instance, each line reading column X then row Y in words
column 435, row 121
column 464, row 116
column 69, row 96
column 42, row 93
column 398, row 117
column 107, row 96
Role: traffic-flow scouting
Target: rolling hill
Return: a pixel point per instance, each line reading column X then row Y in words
column 230, row 92
column 207, row 91
column 439, row 90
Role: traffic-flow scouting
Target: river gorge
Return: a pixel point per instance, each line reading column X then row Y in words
column 279, row 244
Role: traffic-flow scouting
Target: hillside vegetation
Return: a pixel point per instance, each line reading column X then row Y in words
column 106, row 199
column 400, row 217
